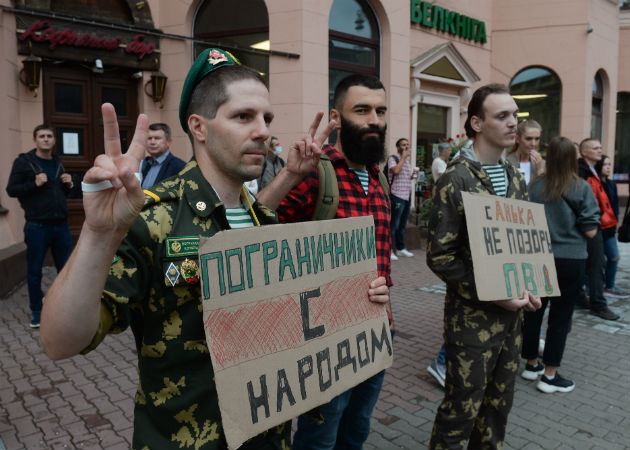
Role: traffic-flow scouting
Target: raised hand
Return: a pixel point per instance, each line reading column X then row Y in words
column 114, row 209
column 41, row 179
column 304, row 153
column 66, row 178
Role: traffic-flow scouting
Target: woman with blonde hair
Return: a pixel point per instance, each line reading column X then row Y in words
column 524, row 155
column 572, row 216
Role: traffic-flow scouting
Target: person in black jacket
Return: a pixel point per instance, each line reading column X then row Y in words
column 161, row 163
column 590, row 153
column 41, row 184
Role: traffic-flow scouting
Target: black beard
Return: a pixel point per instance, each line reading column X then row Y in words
column 359, row 150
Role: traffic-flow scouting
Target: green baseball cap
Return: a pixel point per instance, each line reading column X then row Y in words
column 209, row 60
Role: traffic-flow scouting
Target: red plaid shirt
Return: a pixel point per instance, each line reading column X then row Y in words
column 299, row 204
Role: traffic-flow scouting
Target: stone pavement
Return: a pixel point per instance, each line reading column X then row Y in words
column 86, row 402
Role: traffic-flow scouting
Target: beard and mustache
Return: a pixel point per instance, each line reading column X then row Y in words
column 359, row 149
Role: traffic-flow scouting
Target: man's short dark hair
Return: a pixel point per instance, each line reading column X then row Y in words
column 211, row 92
column 42, row 127
column 400, row 140
column 341, row 90
column 161, row 126
column 475, row 106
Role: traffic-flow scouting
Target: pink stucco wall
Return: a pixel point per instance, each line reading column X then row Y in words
column 551, row 33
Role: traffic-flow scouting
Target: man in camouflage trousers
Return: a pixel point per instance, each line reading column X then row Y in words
column 135, row 264
column 482, row 339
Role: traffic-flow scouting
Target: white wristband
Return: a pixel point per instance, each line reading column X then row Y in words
column 102, row 185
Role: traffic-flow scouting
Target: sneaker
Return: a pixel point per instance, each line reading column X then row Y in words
column 404, row 252
column 34, row 323
column 614, row 292
column 605, row 314
column 558, row 384
column 541, row 346
column 531, row 372
column 393, row 257
column 438, row 371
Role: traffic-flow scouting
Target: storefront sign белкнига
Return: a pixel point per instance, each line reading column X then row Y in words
column 433, row 16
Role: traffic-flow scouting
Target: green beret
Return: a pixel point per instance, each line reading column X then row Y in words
column 210, row 59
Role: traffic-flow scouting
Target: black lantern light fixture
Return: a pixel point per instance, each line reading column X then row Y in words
column 158, row 86
column 30, row 73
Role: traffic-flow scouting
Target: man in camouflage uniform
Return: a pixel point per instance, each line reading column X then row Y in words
column 136, row 261
column 482, row 339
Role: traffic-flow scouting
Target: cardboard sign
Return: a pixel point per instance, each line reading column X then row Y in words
column 288, row 322
column 510, row 246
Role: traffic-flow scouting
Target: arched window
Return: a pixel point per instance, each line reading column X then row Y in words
column 537, row 92
column 597, row 112
column 622, row 137
column 354, row 41
column 243, row 33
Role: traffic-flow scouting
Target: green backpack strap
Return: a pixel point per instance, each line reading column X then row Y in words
column 328, row 193
column 382, row 179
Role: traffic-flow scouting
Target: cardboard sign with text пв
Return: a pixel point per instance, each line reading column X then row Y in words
column 287, row 318
column 510, row 246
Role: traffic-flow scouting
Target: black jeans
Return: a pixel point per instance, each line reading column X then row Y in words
column 570, row 273
column 595, row 266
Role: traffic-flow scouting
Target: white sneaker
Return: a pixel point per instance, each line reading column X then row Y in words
column 404, row 252
column 393, row 257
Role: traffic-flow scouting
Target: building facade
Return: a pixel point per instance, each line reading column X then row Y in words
column 567, row 63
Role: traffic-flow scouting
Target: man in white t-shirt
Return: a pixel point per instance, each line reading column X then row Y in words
column 439, row 163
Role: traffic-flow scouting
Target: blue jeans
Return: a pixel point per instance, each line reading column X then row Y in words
column 39, row 237
column 346, row 419
column 346, row 423
column 611, row 250
column 400, row 214
column 441, row 357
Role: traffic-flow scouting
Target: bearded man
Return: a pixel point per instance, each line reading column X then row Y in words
column 359, row 110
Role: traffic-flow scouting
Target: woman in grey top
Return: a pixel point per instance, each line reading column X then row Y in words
column 572, row 215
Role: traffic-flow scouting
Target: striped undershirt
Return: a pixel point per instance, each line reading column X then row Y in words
column 364, row 178
column 238, row 217
column 497, row 175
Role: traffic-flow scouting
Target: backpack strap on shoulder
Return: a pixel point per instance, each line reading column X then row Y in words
column 328, row 192
column 382, row 179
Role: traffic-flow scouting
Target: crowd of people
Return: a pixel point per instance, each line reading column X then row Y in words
column 123, row 272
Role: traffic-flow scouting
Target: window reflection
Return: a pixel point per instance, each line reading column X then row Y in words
column 246, row 31
column 537, row 92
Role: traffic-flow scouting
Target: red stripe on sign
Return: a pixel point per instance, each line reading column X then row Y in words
column 250, row 331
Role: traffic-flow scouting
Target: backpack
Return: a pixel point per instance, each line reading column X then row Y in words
column 328, row 193
column 389, row 177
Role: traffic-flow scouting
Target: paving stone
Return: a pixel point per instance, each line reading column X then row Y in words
column 86, row 402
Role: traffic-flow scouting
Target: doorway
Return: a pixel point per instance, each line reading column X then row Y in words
column 73, row 96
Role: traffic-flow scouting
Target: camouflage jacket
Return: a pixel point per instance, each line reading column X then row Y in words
column 448, row 251
column 176, row 404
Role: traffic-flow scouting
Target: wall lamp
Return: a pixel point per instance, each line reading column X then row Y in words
column 30, row 73
column 98, row 66
column 158, row 86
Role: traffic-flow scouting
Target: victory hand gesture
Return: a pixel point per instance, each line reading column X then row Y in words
column 304, row 153
column 115, row 208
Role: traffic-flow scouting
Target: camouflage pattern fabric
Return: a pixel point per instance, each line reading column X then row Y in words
column 482, row 340
column 149, row 290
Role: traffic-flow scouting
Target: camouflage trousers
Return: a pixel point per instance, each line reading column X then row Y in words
column 482, row 355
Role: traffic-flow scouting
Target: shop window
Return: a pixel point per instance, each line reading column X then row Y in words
column 245, row 35
column 537, row 92
column 622, row 137
column 354, row 41
column 598, row 107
